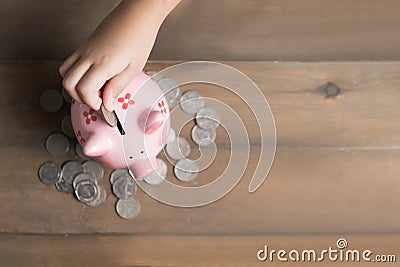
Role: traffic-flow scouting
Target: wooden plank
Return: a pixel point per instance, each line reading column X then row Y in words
column 54, row 29
column 342, row 152
column 281, row 30
column 150, row 250
column 216, row 30
column 364, row 114
column 308, row 191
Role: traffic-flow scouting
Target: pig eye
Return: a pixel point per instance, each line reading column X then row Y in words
column 131, row 157
column 142, row 152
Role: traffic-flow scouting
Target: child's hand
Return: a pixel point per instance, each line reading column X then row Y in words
column 114, row 53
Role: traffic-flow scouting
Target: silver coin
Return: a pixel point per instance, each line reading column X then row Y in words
column 155, row 76
column 186, row 170
column 86, row 191
column 70, row 169
column 203, row 137
column 64, row 187
column 57, row 144
column 191, row 102
column 178, row 148
column 108, row 116
column 207, row 118
column 174, row 102
column 124, row 187
column 83, row 177
column 170, row 136
column 66, row 126
column 66, row 95
column 128, row 208
column 118, row 173
column 51, row 100
column 171, row 90
column 49, row 173
column 158, row 176
column 100, row 199
column 94, row 168
column 79, row 152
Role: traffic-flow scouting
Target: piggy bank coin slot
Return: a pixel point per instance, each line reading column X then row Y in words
column 119, row 125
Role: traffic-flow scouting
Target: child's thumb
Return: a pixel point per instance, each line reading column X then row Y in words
column 116, row 85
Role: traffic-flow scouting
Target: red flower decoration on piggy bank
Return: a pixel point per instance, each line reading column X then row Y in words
column 144, row 122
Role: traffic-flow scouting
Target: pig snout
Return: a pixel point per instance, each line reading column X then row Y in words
column 144, row 167
column 97, row 145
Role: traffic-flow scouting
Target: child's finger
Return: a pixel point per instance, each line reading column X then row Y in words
column 90, row 84
column 116, row 85
column 73, row 76
column 68, row 63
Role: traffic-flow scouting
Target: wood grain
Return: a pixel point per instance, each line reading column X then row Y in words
column 342, row 151
column 308, row 191
column 150, row 250
column 335, row 174
column 363, row 116
column 216, row 30
column 281, row 30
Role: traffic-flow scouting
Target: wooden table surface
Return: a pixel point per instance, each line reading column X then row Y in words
column 335, row 174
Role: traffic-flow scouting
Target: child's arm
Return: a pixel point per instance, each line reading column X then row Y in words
column 116, row 51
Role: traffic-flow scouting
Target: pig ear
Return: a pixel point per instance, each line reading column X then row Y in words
column 97, row 145
column 154, row 122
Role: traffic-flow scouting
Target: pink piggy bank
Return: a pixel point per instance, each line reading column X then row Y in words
column 143, row 113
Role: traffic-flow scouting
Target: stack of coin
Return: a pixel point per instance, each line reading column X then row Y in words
column 82, row 180
column 124, row 188
column 88, row 191
column 77, row 178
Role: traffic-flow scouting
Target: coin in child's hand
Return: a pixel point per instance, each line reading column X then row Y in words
column 109, row 116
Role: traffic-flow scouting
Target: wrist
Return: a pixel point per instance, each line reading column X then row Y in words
column 153, row 11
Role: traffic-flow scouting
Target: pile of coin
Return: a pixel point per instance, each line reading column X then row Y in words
column 203, row 133
column 81, row 177
column 77, row 178
column 124, row 188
